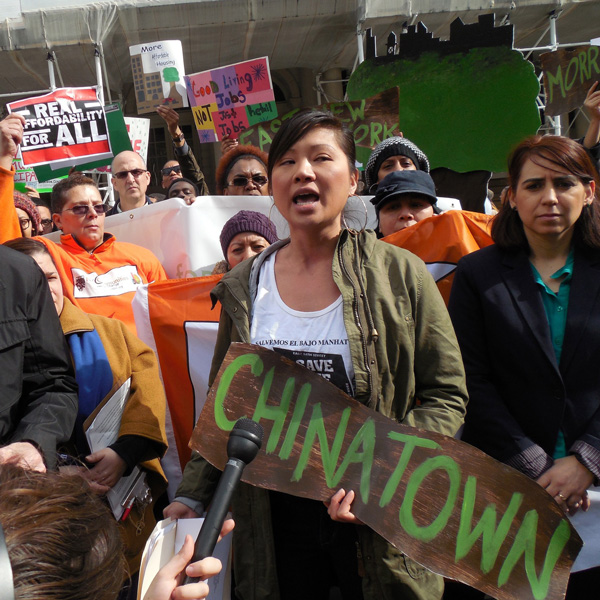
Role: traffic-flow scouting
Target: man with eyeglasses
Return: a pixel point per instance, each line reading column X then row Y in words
column 131, row 179
column 185, row 164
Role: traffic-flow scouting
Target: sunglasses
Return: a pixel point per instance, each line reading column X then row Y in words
column 168, row 170
column 135, row 172
column 84, row 209
column 242, row 180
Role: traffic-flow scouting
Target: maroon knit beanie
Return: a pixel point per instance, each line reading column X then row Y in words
column 247, row 220
column 23, row 202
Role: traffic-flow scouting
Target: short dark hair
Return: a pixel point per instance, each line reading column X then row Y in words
column 299, row 125
column 567, row 155
column 63, row 187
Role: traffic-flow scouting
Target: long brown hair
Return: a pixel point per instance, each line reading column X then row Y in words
column 566, row 155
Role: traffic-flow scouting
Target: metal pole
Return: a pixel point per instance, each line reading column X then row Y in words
column 50, row 60
column 554, row 44
column 99, row 75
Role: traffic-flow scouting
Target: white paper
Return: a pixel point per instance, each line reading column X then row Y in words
column 587, row 525
column 166, row 540
column 104, row 431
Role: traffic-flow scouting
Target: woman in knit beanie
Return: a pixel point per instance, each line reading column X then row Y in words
column 394, row 154
column 242, row 171
column 247, row 233
column 29, row 217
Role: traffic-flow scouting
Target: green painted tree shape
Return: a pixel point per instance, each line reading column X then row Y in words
column 171, row 75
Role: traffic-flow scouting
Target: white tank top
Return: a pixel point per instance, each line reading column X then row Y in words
column 317, row 340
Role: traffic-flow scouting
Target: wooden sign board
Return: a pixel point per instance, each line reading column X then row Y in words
column 445, row 504
column 372, row 120
column 568, row 75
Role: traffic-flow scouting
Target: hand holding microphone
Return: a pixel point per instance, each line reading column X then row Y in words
column 243, row 445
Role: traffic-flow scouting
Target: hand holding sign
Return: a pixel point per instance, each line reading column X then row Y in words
column 444, row 503
column 11, row 134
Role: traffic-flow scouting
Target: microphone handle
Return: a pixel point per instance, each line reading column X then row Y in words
column 219, row 506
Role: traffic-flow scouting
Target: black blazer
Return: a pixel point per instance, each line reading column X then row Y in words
column 519, row 395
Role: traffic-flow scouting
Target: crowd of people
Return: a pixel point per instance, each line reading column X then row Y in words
column 511, row 358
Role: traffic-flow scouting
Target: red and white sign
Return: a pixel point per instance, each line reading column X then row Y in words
column 65, row 128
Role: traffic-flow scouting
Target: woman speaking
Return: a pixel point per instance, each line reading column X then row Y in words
column 375, row 311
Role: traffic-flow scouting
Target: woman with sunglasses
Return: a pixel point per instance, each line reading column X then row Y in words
column 99, row 274
column 243, row 172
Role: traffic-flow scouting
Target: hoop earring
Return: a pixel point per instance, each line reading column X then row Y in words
column 365, row 210
column 270, row 209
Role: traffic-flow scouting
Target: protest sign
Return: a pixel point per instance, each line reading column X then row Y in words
column 568, row 75
column 466, row 101
column 139, row 134
column 228, row 100
column 372, row 120
column 158, row 72
column 64, row 128
column 119, row 141
column 442, row 502
column 24, row 176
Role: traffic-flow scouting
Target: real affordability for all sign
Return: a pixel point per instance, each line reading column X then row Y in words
column 443, row 503
column 64, row 128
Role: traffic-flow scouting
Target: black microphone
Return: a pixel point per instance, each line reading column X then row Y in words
column 243, row 445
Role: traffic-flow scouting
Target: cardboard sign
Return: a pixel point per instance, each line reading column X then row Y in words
column 158, row 72
column 442, row 502
column 229, row 100
column 568, row 75
column 66, row 127
column 372, row 120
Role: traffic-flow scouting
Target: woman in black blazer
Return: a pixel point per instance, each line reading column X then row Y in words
column 527, row 317
column 534, row 376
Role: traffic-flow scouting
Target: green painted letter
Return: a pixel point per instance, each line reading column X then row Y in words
column 256, row 365
column 426, row 533
column 492, row 537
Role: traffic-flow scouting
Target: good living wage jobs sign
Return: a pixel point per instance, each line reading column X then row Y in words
column 227, row 100
column 64, row 128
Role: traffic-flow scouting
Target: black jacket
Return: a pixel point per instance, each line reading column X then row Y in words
column 38, row 392
column 519, row 397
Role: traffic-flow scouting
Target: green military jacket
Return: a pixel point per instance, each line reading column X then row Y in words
column 407, row 366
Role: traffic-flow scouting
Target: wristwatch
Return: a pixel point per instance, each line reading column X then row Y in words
column 179, row 138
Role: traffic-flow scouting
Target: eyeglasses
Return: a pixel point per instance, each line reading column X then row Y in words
column 168, row 170
column 137, row 173
column 84, row 209
column 47, row 222
column 24, row 223
column 242, row 180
